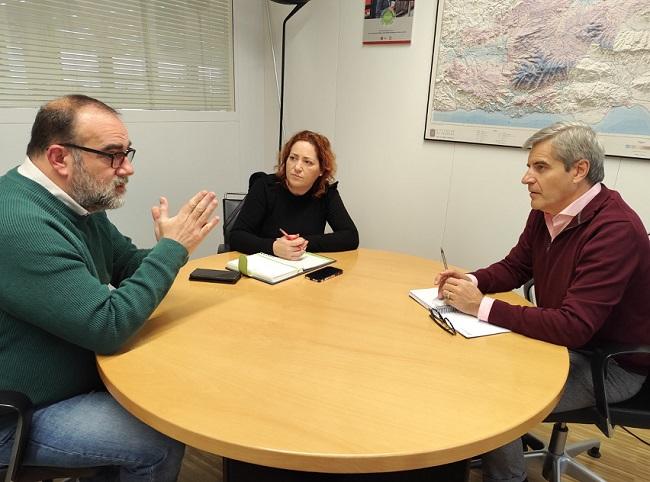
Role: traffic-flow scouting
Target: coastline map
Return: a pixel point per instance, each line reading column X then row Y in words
column 503, row 69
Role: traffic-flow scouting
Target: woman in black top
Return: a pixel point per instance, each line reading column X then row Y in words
column 285, row 213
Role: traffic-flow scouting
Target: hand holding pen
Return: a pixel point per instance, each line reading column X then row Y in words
column 289, row 246
column 457, row 289
column 292, row 237
column 445, row 275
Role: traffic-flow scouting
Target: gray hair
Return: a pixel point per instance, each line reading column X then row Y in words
column 571, row 142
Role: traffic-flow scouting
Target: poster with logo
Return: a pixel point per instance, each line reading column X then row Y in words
column 388, row 22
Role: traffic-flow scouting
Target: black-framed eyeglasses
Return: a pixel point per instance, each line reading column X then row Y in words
column 117, row 158
column 442, row 321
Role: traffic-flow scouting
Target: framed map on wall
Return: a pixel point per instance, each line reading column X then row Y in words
column 503, row 69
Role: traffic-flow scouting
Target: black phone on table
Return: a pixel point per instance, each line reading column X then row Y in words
column 215, row 275
column 324, row 273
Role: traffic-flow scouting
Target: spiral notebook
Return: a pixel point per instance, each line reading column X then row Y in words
column 272, row 269
column 467, row 325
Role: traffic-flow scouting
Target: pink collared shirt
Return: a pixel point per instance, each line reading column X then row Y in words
column 555, row 225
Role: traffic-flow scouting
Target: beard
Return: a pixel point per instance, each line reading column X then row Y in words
column 93, row 195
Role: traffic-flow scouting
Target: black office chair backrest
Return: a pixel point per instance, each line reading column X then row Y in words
column 232, row 203
column 529, row 291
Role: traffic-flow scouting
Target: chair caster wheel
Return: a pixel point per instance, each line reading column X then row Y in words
column 594, row 452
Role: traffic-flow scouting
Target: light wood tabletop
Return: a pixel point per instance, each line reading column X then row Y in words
column 345, row 376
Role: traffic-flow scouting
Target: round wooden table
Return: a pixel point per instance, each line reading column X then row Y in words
column 345, row 376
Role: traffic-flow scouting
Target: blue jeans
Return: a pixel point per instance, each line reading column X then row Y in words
column 94, row 430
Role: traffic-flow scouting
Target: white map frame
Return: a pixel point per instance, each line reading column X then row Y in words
column 498, row 81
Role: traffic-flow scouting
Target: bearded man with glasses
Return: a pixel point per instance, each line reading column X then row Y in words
column 72, row 286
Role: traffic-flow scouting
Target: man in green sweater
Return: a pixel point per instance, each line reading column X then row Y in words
column 72, row 285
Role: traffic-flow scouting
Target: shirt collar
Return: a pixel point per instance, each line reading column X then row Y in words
column 579, row 204
column 29, row 170
column 556, row 224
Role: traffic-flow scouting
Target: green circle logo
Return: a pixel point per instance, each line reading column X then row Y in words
column 387, row 16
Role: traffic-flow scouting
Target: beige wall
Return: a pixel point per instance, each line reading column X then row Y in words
column 406, row 194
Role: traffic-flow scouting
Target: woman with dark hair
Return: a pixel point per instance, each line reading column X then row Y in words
column 286, row 212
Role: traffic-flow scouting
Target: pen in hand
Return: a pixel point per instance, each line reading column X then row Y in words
column 438, row 279
column 290, row 237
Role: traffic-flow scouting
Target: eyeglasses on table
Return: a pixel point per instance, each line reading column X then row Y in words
column 442, row 321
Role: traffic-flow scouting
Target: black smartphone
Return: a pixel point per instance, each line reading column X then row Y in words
column 215, row 275
column 324, row 273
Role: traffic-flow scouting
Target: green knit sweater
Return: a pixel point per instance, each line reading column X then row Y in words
column 56, row 309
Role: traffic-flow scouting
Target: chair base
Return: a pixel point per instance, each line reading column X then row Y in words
column 559, row 459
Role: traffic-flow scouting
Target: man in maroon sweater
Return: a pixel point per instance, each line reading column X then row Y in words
column 590, row 257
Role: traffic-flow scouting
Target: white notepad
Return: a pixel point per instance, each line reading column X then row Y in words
column 272, row 269
column 467, row 325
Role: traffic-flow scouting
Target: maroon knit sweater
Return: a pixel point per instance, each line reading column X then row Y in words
column 592, row 283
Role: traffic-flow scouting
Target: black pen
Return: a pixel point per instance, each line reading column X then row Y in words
column 444, row 258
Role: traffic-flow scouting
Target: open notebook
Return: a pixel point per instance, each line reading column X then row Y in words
column 272, row 269
column 467, row 325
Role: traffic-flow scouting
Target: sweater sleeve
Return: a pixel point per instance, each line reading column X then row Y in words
column 54, row 285
column 126, row 256
column 604, row 267
column 244, row 236
column 345, row 236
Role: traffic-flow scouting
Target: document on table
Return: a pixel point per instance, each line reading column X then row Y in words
column 272, row 269
column 467, row 325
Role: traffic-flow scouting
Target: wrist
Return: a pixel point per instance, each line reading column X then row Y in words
column 484, row 308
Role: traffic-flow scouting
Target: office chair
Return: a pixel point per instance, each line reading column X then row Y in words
column 529, row 292
column 232, row 203
column 18, row 403
column 558, row 458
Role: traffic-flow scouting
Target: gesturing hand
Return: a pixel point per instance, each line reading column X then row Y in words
column 192, row 223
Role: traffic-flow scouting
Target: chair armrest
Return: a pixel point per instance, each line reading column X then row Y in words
column 11, row 401
column 599, row 361
column 19, row 403
column 528, row 289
